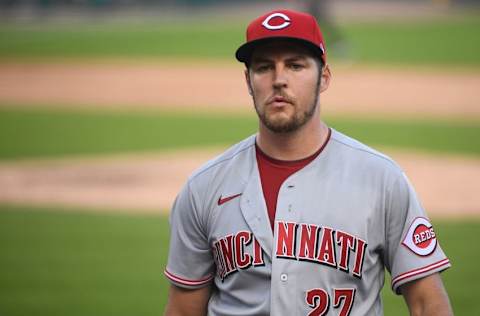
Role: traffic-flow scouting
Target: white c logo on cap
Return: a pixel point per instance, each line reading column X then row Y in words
column 286, row 22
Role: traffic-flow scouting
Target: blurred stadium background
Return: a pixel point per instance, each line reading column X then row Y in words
column 106, row 106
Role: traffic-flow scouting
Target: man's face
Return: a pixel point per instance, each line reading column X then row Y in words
column 284, row 81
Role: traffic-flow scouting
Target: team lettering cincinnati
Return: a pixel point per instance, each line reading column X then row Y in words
column 303, row 242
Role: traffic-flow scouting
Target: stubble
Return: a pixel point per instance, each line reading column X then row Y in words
column 296, row 121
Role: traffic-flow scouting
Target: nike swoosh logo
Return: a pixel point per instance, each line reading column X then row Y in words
column 228, row 198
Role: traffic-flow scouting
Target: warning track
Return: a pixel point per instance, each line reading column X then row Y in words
column 356, row 90
column 448, row 186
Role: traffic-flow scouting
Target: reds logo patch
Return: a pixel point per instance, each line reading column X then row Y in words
column 278, row 15
column 420, row 237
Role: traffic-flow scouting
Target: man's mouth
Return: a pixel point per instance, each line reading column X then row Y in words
column 279, row 100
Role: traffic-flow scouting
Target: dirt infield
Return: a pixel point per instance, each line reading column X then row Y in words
column 448, row 186
column 354, row 90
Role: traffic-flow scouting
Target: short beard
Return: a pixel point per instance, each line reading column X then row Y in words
column 296, row 122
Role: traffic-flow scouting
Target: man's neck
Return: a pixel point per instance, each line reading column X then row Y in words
column 296, row 145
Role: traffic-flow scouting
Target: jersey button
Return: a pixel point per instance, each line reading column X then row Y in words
column 284, row 277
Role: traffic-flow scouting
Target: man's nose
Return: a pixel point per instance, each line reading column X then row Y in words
column 280, row 77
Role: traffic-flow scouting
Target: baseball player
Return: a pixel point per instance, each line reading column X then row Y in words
column 298, row 219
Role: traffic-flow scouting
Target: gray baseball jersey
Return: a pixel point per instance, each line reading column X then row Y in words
column 339, row 222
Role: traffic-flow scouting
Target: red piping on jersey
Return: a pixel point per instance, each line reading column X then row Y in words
column 185, row 281
column 418, row 271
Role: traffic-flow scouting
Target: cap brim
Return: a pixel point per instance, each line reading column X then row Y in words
column 244, row 52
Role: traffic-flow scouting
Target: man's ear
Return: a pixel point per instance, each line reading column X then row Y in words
column 325, row 78
column 247, row 80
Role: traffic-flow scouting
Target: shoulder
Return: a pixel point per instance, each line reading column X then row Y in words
column 237, row 151
column 227, row 173
column 234, row 163
column 357, row 161
column 373, row 173
column 353, row 151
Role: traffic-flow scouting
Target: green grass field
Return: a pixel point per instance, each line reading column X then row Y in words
column 420, row 42
column 431, row 42
column 27, row 133
column 73, row 263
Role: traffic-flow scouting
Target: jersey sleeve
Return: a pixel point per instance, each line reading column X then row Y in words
column 413, row 250
column 190, row 262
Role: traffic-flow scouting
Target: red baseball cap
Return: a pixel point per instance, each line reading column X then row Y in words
column 283, row 24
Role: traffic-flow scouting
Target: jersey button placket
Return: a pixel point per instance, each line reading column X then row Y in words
column 289, row 189
column 283, row 275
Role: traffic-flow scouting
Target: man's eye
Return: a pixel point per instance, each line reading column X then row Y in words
column 296, row 66
column 262, row 68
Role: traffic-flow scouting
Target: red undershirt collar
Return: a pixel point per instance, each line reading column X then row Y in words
column 292, row 163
